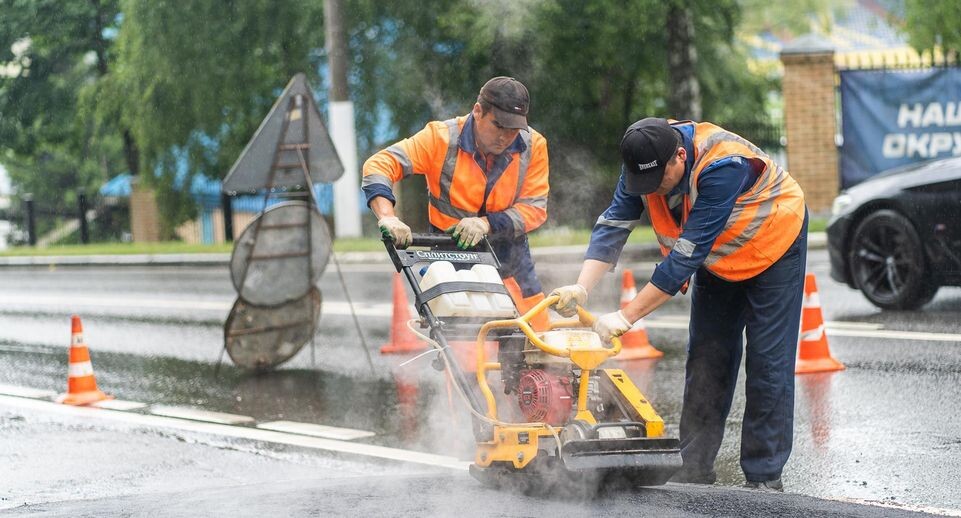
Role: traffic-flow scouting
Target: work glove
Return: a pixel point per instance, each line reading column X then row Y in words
column 397, row 230
column 569, row 297
column 610, row 325
column 469, row 231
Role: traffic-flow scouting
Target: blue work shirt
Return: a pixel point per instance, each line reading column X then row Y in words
column 718, row 186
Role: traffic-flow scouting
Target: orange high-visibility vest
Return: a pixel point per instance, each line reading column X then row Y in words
column 457, row 184
column 765, row 220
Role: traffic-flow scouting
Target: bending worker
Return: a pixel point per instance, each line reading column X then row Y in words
column 725, row 213
column 486, row 176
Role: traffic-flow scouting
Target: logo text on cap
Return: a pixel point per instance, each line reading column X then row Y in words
column 648, row 165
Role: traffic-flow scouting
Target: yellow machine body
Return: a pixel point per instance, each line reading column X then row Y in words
column 517, row 444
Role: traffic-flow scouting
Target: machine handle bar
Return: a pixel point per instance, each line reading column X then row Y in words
column 433, row 239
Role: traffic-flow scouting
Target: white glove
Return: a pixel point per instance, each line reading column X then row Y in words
column 569, row 298
column 394, row 228
column 469, row 231
column 611, row 325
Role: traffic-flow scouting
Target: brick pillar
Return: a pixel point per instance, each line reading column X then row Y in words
column 144, row 216
column 810, row 121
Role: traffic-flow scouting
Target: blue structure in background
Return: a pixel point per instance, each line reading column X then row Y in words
column 206, row 193
column 891, row 118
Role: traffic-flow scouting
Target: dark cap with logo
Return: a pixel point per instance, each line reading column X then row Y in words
column 510, row 101
column 647, row 146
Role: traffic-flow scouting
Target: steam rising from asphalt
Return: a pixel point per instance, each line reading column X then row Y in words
column 445, row 427
column 507, row 17
column 580, row 188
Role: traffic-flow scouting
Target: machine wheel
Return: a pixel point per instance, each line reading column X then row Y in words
column 888, row 264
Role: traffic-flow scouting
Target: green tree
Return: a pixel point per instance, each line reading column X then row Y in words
column 592, row 68
column 931, row 23
column 56, row 55
column 183, row 85
column 194, row 80
column 416, row 62
column 794, row 18
column 604, row 64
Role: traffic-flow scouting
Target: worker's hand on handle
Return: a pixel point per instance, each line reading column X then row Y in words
column 611, row 325
column 469, row 231
column 397, row 230
column 569, row 297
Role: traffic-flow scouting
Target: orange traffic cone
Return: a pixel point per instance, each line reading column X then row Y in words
column 401, row 339
column 813, row 352
column 407, row 400
column 465, row 353
column 636, row 345
column 81, row 384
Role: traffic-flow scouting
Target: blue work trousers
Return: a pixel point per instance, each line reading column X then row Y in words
column 767, row 309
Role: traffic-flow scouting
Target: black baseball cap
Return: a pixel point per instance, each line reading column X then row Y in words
column 647, row 146
column 509, row 99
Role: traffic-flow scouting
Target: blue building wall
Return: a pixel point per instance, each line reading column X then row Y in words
column 206, row 193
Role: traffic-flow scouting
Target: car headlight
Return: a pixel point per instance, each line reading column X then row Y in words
column 841, row 204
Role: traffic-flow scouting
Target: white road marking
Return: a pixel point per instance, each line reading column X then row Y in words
column 903, row 507
column 33, row 349
column 119, row 404
column 834, row 324
column 13, row 390
column 852, row 329
column 242, row 432
column 339, row 308
column 316, row 430
column 20, row 301
column 897, row 335
column 360, row 309
column 197, row 414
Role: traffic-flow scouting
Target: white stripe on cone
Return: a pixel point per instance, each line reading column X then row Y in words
column 812, row 334
column 77, row 339
column 812, row 301
column 76, row 370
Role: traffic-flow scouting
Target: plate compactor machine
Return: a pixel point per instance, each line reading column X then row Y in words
column 563, row 419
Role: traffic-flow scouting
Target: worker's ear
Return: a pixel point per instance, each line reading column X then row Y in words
column 682, row 153
column 476, row 111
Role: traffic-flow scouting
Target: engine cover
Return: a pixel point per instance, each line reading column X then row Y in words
column 545, row 397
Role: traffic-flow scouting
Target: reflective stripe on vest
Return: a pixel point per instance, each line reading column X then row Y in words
column 442, row 203
column 740, row 251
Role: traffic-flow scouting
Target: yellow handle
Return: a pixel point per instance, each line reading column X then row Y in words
column 585, row 319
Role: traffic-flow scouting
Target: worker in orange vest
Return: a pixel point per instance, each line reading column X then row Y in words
column 726, row 214
column 486, row 176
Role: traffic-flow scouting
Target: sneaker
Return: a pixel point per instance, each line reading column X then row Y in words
column 688, row 477
column 773, row 486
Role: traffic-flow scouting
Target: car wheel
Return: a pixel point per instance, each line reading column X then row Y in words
column 888, row 264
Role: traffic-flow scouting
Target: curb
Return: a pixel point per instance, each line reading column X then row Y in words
column 545, row 255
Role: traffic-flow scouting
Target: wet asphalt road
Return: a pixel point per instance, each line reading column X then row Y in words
column 431, row 495
column 886, row 429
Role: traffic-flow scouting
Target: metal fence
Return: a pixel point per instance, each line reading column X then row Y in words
column 898, row 59
column 767, row 135
column 44, row 222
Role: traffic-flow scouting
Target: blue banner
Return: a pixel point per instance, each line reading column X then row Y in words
column 891, row 118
